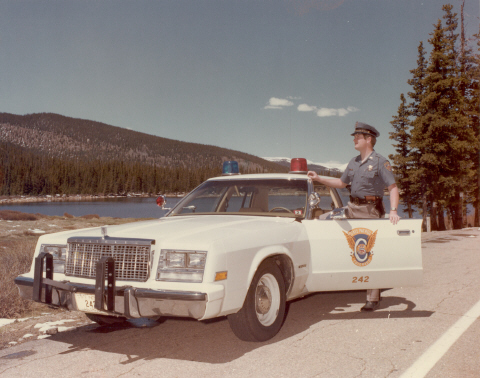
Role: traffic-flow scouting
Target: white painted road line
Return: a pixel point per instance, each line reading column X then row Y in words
column 433, row 354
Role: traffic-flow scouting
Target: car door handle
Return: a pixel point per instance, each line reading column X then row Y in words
column 403, row 232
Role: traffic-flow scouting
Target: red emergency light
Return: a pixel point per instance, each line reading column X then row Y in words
column 298, row 165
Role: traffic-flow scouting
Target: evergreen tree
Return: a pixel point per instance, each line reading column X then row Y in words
column 469, row 66
column 417, row 176
column 440, row 134
column 475, row 116
column 402, row 161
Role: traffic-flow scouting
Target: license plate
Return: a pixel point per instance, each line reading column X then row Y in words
column 86, row 303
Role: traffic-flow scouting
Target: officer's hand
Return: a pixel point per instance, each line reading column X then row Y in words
column 312, row 175
column 394, row 218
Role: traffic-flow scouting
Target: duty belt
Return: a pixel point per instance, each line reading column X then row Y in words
column 364, row 201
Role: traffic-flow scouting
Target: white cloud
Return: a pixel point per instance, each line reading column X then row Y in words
column 326, row 112
column 329, row 112
column 278, row 103
column 306, row 108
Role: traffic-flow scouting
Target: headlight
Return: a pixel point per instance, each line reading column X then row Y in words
column 181, row 266
column 59, row 252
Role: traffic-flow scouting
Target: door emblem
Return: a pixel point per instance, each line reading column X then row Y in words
column 361, row 242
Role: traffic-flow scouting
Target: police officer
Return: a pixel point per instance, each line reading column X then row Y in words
column 368, row 174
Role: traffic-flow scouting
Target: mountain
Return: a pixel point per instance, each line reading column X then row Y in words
column 328, row 169
column 56, row 136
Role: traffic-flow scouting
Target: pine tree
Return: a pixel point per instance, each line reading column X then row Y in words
column 402, row 161
column 469, row 66
column 417, row 175
column 475, row 116
column 440, row 132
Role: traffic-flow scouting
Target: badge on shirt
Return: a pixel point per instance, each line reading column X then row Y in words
column 370, row 167
column 387, row 165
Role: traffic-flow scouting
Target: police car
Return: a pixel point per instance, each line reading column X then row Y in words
column 239, row 246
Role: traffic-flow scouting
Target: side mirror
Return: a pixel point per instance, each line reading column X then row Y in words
column 161, row 201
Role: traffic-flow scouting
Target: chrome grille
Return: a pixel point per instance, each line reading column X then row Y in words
column 132, row 261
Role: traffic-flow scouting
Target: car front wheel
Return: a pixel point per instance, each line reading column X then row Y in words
column 263, row 311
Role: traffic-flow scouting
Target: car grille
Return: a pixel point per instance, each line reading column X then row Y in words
column 132, row 261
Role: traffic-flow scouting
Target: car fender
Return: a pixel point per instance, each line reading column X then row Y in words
column 262, row 255
column 236, row 291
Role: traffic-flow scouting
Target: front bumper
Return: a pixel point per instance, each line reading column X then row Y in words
column 128, row 301
column 110, row 299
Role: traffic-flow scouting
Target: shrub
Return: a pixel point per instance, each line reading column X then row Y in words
column 16, row 215
column 15, row 259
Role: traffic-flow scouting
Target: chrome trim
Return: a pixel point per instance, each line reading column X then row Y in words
column 133, row 257
column 139, row 292
column 110, row 240
column 129, row 301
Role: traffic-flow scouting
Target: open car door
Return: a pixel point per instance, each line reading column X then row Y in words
column 359, row 254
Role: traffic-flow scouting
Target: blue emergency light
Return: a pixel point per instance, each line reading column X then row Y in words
column 230, row 168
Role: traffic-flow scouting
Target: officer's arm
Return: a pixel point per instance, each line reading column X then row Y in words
column 333, row 183
column 394, row 200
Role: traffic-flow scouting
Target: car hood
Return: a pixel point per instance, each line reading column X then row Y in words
column 198, row 229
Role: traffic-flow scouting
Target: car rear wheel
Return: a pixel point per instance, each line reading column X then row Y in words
column 106, row 320
column 263, row 311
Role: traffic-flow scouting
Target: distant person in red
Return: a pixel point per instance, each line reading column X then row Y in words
column 368, row 174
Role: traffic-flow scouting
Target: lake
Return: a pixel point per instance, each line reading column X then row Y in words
column 125, row 207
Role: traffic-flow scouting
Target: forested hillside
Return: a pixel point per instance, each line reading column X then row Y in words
column 52, row 154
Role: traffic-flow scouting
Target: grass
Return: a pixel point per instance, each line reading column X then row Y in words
column 15, row 258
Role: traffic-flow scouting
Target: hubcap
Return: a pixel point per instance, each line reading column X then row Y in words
column 267, row 300
column 264, row 298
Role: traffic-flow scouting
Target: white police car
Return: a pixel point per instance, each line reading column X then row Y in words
column 237, row 245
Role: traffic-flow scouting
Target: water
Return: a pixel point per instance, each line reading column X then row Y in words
column 119, row 207
column 110, row 207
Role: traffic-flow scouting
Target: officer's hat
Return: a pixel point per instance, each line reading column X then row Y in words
column 363, row 128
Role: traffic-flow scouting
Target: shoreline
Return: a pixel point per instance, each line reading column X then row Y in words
column 5, row 200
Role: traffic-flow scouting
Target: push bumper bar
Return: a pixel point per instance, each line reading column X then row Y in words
column 125, row 301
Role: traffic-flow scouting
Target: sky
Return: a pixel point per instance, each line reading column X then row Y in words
column 283, row 78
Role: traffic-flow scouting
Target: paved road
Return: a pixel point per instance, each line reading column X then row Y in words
column 430, row 331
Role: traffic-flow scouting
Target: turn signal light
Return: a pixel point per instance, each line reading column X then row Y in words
column 220, row 276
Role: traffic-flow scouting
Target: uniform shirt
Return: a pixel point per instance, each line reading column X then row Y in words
column 370, row 177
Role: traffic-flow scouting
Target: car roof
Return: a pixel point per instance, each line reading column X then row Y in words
column 267, row 176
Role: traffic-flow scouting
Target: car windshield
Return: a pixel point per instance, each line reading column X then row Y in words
column 263, row 197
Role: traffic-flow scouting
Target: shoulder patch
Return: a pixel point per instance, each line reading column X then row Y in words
column 387, row 165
